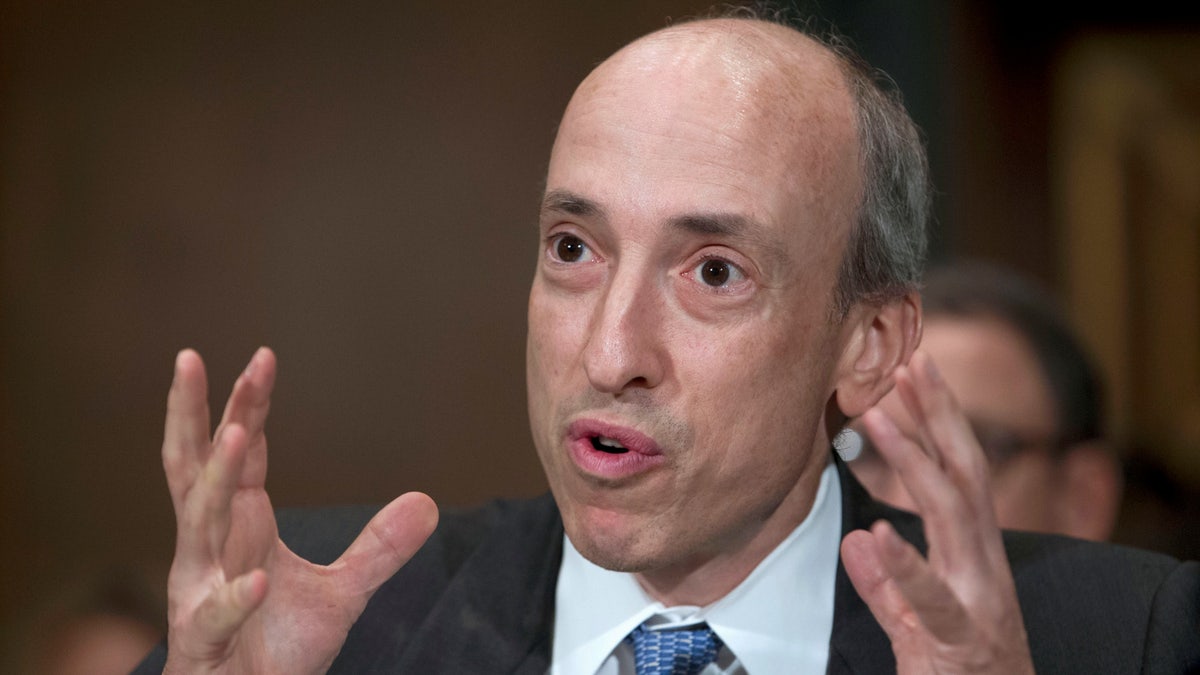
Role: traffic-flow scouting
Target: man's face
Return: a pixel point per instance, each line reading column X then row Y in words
column 995, row 376
column 681, row 348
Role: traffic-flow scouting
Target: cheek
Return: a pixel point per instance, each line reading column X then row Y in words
column 542, row 362
column 757, row 401
column 556, row 330
column 1022, row 492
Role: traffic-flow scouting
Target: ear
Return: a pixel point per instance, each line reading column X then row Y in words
column 876, row 340
column 1092, row 487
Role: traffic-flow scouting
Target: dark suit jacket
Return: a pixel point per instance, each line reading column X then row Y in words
column 479, row 597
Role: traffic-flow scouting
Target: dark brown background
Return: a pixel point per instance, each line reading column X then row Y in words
column 355, row 185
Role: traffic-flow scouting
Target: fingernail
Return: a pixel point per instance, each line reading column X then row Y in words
column 252, row 365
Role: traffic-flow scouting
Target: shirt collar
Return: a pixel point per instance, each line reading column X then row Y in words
column 778, row 620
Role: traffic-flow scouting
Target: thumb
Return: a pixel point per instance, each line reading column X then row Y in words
column 388, row 541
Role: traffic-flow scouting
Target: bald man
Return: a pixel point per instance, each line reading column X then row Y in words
column 730, row 242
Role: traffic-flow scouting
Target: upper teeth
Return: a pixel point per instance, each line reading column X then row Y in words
column 608, row 442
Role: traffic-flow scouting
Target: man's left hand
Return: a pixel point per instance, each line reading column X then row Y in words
column 956, row 610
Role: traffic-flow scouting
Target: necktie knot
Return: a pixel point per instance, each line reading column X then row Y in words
column 684, row 651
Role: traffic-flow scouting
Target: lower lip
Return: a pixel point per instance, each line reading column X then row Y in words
column 610, row 465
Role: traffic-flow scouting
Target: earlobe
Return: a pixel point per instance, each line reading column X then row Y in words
column 880, row 339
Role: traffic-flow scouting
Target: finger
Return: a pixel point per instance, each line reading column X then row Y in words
column 225, row 610
column 250, row 399
column 248, row 406
column 954, row 529
column 970, row 529
column 920, row 426
column 185, row 434
column 947, row 432
column 387, row 542
column 203, row 525
column 864, row 566
column 925, row 592
column 936, row 498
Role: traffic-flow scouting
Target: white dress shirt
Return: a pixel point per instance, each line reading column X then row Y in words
column 776, row 622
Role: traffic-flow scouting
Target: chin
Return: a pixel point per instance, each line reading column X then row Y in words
column 615, row 561
column 612, row 542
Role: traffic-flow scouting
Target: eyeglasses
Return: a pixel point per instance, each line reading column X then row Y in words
column 999, row 443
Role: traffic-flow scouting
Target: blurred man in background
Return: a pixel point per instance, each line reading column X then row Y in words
column 1033, row 397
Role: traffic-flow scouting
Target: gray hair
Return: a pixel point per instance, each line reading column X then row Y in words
column 886, row 251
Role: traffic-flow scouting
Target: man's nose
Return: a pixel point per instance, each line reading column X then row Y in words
column 625, row 348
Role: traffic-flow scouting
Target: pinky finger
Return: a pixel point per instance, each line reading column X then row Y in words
column 226, row 609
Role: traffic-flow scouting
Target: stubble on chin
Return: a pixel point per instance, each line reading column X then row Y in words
column 628, row 551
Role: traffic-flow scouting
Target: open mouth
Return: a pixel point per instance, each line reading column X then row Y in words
column 605, row 444
column 607, row 451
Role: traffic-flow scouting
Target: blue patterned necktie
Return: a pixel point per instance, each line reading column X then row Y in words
column 685, row 651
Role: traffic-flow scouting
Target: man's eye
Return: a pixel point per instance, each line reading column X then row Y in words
column 717, row 273
column 569, row 248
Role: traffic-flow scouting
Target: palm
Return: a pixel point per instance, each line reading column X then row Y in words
column 272, row 640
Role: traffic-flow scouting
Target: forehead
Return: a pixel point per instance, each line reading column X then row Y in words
column 719, row 116
column 992, row 370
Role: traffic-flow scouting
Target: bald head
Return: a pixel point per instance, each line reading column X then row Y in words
column 762, row 66
column 750, row 90
column 831, row 126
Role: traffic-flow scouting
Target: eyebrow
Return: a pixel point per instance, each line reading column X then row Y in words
column 721, row 224
column 573, row 204
column 734, row 227
column 699, row 223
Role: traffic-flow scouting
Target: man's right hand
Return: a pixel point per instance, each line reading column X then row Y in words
column 238, row 600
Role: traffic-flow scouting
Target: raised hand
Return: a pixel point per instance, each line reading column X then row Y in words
column 238, row 600
column 955, row 611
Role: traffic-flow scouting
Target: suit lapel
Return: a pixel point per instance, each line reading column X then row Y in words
column 497, row 615
column 858, row 643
